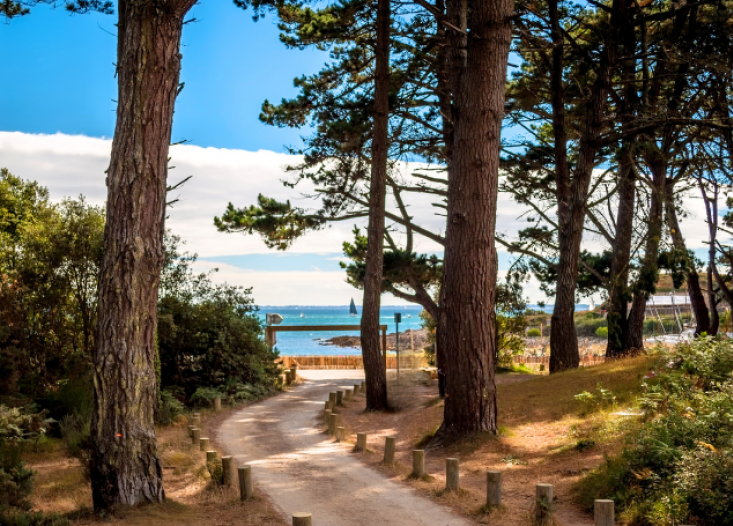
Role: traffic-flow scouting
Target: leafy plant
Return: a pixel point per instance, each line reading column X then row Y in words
column 534, row 333
column 602, row 332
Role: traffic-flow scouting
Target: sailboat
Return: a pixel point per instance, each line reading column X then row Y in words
column 352, row 309
column 302, row 315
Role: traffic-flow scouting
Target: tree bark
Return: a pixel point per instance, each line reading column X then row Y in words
column 478, row 77
column 646, row 283
column 376, row 379
column 697, row 299
column 619, row 294
column 124, row 463
column 572, row 192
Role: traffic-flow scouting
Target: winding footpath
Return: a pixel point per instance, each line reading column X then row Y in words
column 302, row 469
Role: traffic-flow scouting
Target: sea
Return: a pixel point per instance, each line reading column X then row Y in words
column 312, row 343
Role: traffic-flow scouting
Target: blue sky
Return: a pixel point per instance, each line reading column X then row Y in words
column 58, row 76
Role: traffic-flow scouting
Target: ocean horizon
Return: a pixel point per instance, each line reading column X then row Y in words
column 312, row 343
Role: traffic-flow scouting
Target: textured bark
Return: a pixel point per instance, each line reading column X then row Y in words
column 649, row 271
column 478, row 75
column 697, row 299
column 376, row 380
column 572, row 191
column 124, row 464
column 619, row 293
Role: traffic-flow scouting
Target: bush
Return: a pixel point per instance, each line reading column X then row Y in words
column 169, row 407
column 205, row 396
column 534, row 333
column 602, row 332
column 16, row 482
column 676, row 468
column 588, row 323
column 31, row 518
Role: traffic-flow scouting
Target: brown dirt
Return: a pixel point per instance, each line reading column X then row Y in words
column 61, row 487
column 540, row 426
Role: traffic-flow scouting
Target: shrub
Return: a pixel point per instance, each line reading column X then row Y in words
column 31, row 518
column 169, row 407
column 588, row 323
column 602, row 332
column 675, row 469
column 205, row 396
column 16, row 482
column 534, row 333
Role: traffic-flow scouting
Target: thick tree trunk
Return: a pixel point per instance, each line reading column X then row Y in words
column 124, row 464
column 376, row 379
column 697, row 299
column 646, row 283
column 469, row 278
column 619, row 294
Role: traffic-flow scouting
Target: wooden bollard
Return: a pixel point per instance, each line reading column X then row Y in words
column 293, row 372
column 339, row 398
column 245, row 482
column 227, row 470
column 361, row 442
column 327, row 416
column 196, row 420
column 204, row 444
column 283, row 380
column 332, row 423
column 418, row 463
column 493, row 488
column 603, row 512
column 196, row 437
column 452, row 478
column 217, row 404
column 347, row 395
column 190, row 430
column 288, row 378
column 389, row 450
column 332, row 399
column 356, row 389
column 340, row 433
column 543, row 501
column 302, row 519
column 363, row 387
column 329, row 405
column 210, row 457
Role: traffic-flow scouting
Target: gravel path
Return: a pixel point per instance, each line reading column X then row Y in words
column 302, row 469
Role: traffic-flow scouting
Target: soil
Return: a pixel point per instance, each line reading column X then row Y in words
column 419, row 336
column 304, row 470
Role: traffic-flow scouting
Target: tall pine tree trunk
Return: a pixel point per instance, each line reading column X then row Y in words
column 469, row 278
column 124, row 464
column 376, row 379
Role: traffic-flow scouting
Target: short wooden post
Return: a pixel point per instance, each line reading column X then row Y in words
column 245, row 482
column 283, row 380
column 210, row 457
column 339, row 398
column 294, row 371
column 329, row 405
column 302, row 519
column 340, row 433
column 603, row 512
column 227, row 470
column 363, row 387
column 332, row 399
column 347, row 394
column 418, row 463
column 190, row 430
column 196, row 437
column 361, row 442
column 196, row 420
column 204, row 444
column 452, row 479
column 217, row 404
column 493, row 488
column 356, row 389
column 543, row 501
column 332, row 421
column 389, row 450
column 288, row 377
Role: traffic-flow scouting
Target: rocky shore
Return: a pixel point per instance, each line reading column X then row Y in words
column 420, row 338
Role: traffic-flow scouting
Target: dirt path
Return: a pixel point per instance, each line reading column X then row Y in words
column 301, row 469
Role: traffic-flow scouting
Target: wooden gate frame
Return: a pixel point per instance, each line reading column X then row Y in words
column 272, row 330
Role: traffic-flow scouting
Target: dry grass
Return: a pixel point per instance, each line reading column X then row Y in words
column 191, row 499
column 541, row 426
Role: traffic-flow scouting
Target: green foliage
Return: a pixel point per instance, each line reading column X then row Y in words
column 169, row 407
column 533, row 333
column 599, row 399
column 208, row 334
column 602, row 332
column 675, row 469
column 588, row 323
column 205, row 396
column 17, row 425
column 31, row 518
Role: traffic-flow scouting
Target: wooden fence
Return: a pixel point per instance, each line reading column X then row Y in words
column 408, row 361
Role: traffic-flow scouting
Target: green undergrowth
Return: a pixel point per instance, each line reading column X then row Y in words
column 676, row 463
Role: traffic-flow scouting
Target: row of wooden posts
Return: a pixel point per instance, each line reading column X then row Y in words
column 544, row 494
